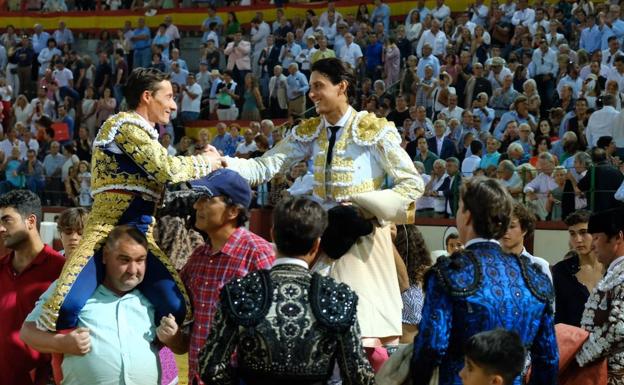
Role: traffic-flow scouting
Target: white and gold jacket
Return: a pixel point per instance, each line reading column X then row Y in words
column 369, row 167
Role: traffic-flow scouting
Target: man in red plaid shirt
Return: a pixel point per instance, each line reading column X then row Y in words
column 232, row 251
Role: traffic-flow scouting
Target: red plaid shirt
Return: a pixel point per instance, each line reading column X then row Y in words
column 207, row 272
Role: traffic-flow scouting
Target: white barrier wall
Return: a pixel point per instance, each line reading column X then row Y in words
column 548, row 244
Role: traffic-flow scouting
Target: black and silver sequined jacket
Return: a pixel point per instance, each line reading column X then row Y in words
column 288, row 326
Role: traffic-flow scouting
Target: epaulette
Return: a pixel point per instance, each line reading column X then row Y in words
column 460, row 274
column 307, row 130
column 334, row 304
column 247, row 300
column 539, row 284
column 368, row 129
column 111, row 126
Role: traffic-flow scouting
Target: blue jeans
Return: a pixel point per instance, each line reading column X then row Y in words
column 142, row 57
column 118, row 94
column 72, row 93
column 189, row 116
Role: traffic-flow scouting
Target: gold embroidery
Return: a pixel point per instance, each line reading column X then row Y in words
column 308, row 129
column 346, row 192
column 370, row 128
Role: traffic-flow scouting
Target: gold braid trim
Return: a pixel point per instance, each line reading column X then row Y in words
column 308, row 129
column 370, row 129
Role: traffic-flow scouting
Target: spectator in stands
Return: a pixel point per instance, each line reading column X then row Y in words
column 601, row 122
column 179, row 75
column 191, row 99
column 222, row 141
column 521, row 227
column 212, row 18
column 436, row 186
column 297, row 87
column 24, row 56
column 12, row 141
column 424, row 155
column 52, row 165
column 439, row 144
column 476, row 84
column 227, row 95
column 245, row 148
column 520, row 114
column 601, row 183
column 451, row 192
column 105, row 106
column 141, row 39
column 278, row 101
column 507, row 175
column 120, row 75
column 491, row 156
column 238, row 54
column 46, row 55
column 54, row 6
column 103, row 74
column 472, row 162
column 26, row 271
column 252, row 99
column 538, row 189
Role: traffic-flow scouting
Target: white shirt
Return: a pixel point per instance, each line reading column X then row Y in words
column 437, row 42
column 480, row 15
column 192, row 105
column 601, row 123
column 302, row 185
column 543, row 264
column 7, row 147
column 290, row 261
column 545, row 63
column 470, row 164
column 456, row 113
column 524, row 17
column 608, row 58
column 618, row 77
column 259, row 36
column 351, row 53
column 63, row 77
column 618, row 130
column 441, row 13
column 439, row 203
column 244, row 148
column 544, row 23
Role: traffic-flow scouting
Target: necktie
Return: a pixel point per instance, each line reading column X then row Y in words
column 332, row 141
column 609, row 59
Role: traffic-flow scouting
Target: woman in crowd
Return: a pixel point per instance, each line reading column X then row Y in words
column 252, row 104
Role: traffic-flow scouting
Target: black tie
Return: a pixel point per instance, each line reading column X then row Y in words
column 332, row 141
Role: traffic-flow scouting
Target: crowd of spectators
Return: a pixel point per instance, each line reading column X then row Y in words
column 531, row 95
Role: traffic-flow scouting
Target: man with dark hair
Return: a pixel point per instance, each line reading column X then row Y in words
column 604, row 308
column 130, row 171
column 117, row 326
column 601, row 182
column 482, row 288
column 358, row 158
column 232, row 251
column 493, row 357
column 299, row 298
column 575, row 277
column 25, row 273
column 472, row 162
column 522, row 226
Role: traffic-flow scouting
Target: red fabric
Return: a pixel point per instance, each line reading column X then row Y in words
column 569, row 340
column 207, row 271
column 377, row 357
column 18, row 294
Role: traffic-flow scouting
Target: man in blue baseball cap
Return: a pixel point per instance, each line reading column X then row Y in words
column 231, row 251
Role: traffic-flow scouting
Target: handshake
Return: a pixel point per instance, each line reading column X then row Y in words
column 211, row 156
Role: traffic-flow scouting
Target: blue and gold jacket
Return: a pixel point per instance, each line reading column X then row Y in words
column 479, row 289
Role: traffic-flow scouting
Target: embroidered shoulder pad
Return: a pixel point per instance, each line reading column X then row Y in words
column 334, row 304
column 247, row 300
column 307, row 130
column 368, row 129
column 460, row 274
column 112, row 125
column 539, row 284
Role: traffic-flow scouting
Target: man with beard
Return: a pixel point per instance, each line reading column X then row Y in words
column 25, row 273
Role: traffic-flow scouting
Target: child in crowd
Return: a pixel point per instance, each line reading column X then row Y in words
column 494, row 357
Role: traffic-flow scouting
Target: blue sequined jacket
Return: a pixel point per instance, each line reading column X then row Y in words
column 481, row 289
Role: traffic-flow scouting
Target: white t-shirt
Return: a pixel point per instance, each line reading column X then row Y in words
column 63, row 77
column 244, row 148
column 192, row 105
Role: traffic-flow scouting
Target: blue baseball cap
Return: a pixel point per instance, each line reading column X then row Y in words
column 224, row 182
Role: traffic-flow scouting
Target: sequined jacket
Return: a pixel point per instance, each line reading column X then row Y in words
column 603, row 318
column 368, row 167
column 289, row 327
column 481, row 289
column 127, row 156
